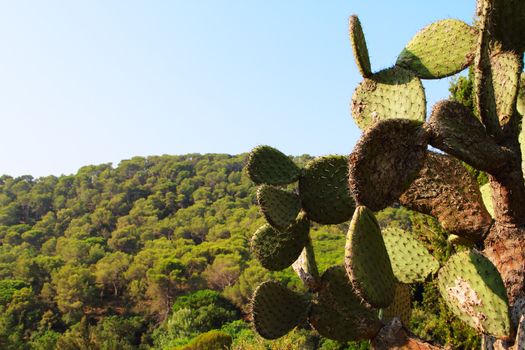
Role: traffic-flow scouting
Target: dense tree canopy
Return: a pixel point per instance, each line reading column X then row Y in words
column 150, row 254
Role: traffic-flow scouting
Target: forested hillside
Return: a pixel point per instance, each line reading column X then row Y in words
column 155, row 251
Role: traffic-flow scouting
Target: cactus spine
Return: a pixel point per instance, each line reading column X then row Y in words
column 391, row 164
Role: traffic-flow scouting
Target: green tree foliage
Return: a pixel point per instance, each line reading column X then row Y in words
column 212, row 340
column 148, row 254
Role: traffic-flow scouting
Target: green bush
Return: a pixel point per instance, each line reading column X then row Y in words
column 212, row 340
column 210, row 310
column 8, row 288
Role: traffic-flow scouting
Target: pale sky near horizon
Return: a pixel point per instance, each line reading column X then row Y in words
column 97, row 81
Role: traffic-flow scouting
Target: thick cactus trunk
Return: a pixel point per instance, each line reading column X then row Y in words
column 505, row 247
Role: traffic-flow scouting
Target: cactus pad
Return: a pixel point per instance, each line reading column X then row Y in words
column 306, row 268
column 267, row 165
column 458, row 132
column 520, row 104
column 510, row 28
column 473, row 289
column 357, row 38
column 366, row 260
column 279, row 207
column 498, row 87
column 277, row 250
column 276, row 310
column 385, row 161
column 440, row 49
column 506, row 68
column 411, row 261
column 324, row 191
column 401, row 307
column 389, row 94
column 446, row 190
column 338, row 312
column 486, row 195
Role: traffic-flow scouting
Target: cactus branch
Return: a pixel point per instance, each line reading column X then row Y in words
column 306, row 268
column 455, row 130
column 447, row 191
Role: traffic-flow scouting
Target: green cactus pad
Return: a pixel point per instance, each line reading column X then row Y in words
column 497, row 83
column 357, row 38
column 324, row 191
column 401, row 307
column 486, row 195
column 440, row 49
column 520, row 104
column 276, row 310
column 411, row 261
column 366, row 260
column 473, row 289
column 267, row 165
column 506, row 68
column 447, row 191
column 510, row 27
column 277, row 250
column 338, row 313
column 279, row 207
column 389, row 94
column 385, row 161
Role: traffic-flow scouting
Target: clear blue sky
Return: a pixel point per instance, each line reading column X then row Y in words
column 96, row 81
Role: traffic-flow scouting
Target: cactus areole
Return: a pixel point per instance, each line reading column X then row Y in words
column 484, row 284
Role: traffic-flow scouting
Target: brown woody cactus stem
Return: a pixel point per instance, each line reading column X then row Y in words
column 504, row 244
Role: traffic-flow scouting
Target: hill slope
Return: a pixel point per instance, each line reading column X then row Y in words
column 149, row 254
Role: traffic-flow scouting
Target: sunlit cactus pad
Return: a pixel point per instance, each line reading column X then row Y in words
column 267, row 165
column 411, row 261
column 357, row 38
column 276, row 310
column 486, row 195
column 446, row 190
column 389, row 94
column 278, row 249
column 338, row 312
column 441, row 49
column 520, row 104
column 473, row 289
column 505, row 68
column 385, row 161
column 401, row 307
column 324, row 191
column 366, row 260
column 279, row 207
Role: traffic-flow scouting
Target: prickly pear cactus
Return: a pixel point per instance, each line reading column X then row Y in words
column 472, row 287
column 324, row 191
column 276, row 310
column 484, row 282
column 411, row 261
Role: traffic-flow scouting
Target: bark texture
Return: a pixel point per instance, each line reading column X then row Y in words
column 447, row 191
column 394, row 337
column 455, row 130
column 385, row 161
